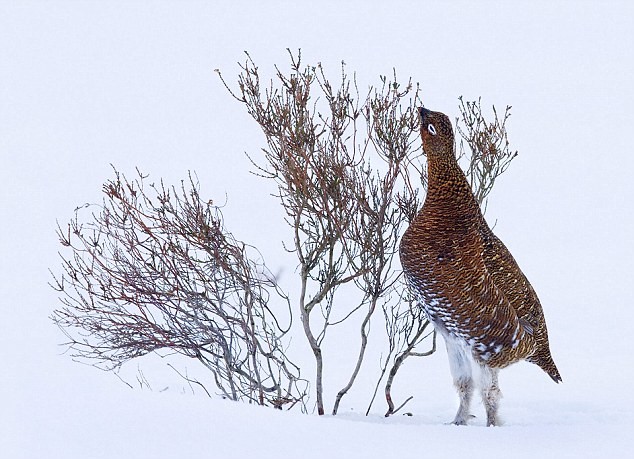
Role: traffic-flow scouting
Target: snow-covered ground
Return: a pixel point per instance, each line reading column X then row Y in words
column 148, row 425
column 83, row 85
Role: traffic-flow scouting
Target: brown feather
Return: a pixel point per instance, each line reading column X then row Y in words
column 466, row 279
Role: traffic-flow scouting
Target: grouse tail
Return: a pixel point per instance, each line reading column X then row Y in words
column 547, row 364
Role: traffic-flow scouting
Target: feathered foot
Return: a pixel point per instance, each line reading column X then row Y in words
column 460, row 366
column 491, row 394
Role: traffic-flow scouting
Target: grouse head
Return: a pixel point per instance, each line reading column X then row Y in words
column 436, row 132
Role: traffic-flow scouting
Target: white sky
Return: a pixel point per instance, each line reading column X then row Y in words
column 86, row 84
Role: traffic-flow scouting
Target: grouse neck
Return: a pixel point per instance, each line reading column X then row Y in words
column 443, row 170
column 448, row 191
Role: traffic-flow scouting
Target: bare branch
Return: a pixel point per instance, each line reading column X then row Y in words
column 488, row 153
column 346, row 216
column 153, row 268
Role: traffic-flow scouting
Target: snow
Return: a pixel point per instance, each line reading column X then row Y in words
column 148, row 425
column 88, row 84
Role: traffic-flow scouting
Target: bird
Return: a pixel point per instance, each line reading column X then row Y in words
column 467, row 282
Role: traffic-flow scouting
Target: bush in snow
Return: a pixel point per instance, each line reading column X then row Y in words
column 153, row 269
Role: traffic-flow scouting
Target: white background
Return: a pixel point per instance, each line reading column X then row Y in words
column 87, row 84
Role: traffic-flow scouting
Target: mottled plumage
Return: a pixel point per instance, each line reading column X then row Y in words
column 467, row 281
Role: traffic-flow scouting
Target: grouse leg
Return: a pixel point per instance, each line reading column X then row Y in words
column 491, row 394
column 460, row 366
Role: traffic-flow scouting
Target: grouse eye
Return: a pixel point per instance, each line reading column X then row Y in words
column 431, row 129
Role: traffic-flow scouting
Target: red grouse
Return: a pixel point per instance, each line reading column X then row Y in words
column 467, row 281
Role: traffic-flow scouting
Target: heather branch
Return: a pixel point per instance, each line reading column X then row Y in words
column 488, row 152
column 347, row 215
column 153, row 269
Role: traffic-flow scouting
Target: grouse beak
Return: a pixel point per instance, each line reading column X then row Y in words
column 423, row 112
